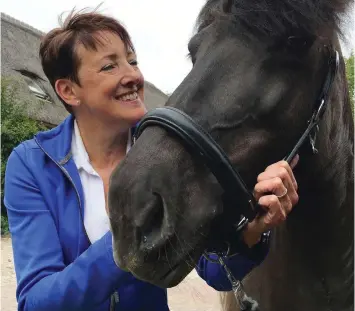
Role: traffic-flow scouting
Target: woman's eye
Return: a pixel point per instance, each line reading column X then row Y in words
column 133, row 62
column 108, row 67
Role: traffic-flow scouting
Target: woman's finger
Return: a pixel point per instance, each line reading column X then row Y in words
column 274, row 169
column 273, row 185
column 294, row 161
column 286, row 204
column 282, row 173
column 275, row 212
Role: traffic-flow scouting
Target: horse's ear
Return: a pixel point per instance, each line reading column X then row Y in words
column 227, row 6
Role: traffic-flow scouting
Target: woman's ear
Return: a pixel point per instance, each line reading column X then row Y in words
column 66, row 91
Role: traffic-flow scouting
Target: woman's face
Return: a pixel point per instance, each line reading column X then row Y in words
column 111, row 84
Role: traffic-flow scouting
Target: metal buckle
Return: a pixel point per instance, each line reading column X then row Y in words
column 313, row 139
column 320, row 111
column 220, row 254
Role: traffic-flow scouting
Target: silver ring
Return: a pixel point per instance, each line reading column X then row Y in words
column 282, row 195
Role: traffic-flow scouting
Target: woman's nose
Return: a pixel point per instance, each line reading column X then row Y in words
column 132, row 76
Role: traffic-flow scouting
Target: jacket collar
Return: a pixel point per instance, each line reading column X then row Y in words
column 57, row 141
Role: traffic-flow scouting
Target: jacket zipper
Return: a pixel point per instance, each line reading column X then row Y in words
column 73, row 184
column 114, row 297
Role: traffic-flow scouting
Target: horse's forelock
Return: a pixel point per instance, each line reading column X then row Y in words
column 278, row 18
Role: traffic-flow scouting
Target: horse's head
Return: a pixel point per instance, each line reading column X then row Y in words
column 258, row 67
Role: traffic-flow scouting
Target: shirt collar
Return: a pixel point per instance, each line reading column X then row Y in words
column 80, row 155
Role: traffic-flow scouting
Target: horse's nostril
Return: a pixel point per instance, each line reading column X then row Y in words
column 151, row 230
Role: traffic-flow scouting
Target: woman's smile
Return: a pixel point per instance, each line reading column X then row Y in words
column 129, row 98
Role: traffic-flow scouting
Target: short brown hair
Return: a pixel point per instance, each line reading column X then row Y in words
column 57, row 49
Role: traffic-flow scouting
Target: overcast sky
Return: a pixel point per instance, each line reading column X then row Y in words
column 160, row 29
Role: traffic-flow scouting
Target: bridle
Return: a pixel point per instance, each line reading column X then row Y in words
column 201, row 144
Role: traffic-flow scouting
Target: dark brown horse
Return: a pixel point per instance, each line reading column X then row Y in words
column 258, row 68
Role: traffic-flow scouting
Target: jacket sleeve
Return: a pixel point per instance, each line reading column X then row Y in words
column 239, row 264
column 45, row 282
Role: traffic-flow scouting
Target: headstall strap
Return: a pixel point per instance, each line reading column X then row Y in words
column 319, row 109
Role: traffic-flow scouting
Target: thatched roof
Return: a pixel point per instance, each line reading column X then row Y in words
column 20, row 62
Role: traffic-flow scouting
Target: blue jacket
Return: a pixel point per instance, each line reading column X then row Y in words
column 57, row 268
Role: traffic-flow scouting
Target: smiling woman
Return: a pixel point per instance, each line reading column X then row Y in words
column 106, row 82
column 56, row 188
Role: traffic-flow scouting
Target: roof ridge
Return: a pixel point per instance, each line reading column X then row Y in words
column 21, row 24
column 153, row 86
column 28, row 28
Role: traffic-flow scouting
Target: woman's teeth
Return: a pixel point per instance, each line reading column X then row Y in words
column 127, row 97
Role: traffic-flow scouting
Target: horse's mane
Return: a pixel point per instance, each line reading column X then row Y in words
column 277, row 17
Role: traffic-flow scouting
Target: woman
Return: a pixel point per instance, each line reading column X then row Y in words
column 56, row 184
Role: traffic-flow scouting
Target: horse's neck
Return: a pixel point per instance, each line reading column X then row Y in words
column 322, row 225
column 326, row 193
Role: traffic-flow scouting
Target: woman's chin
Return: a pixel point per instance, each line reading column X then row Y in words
column 133, row 115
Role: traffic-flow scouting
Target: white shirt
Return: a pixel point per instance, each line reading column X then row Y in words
column 96, row 221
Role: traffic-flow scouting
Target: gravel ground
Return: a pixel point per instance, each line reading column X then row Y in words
column 190, row 295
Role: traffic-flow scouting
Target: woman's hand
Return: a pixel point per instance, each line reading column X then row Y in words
column 276, row 193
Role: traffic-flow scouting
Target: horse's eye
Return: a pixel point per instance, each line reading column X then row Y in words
column 296, row 41
column 192, row 58
column 299, row 44
column 193, row 46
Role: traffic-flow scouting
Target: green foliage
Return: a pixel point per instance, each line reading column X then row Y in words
column 4, row 225
column 349, row 63
column 16, row 127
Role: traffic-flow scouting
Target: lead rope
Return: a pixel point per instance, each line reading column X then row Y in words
column 245, row 302
column 113, row 301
